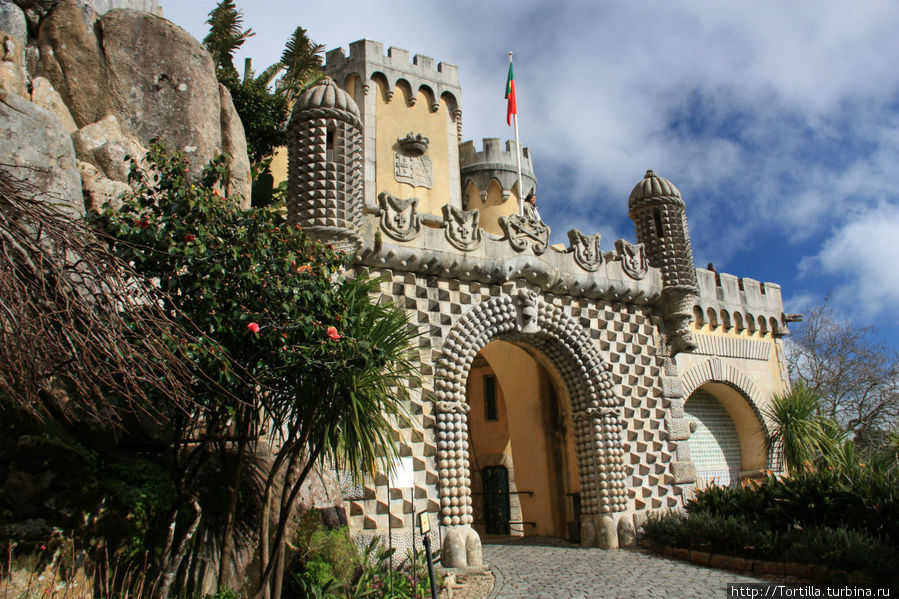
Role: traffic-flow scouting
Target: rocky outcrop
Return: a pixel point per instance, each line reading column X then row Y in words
column 234, row 143
column 43, row 94
column 35, row 147
column 13, row 34
column 108, row 148
column 166, row 90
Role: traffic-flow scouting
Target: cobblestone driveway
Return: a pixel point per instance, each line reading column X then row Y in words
column 552, row 569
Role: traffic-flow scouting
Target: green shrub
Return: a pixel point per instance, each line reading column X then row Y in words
column 840, row 548
column 860, row 498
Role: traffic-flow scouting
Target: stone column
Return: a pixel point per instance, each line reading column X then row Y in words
column 461, row 544
column 601, row 461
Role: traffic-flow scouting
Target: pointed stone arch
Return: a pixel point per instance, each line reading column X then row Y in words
column 527, row 319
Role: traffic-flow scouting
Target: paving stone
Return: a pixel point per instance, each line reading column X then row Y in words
column 542, row 567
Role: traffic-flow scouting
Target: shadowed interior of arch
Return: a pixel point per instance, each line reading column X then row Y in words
column 520, row 421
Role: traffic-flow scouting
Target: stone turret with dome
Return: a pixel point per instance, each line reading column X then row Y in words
column 324, row 144
column 659, row 214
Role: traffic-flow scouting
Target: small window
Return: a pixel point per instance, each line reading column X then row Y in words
column 329, row 148
column 657, row 216
column 490, row 412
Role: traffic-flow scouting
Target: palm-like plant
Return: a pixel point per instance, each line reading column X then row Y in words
column 347, row 410
column 301, row 61
column 797, row 429
column 226, row 34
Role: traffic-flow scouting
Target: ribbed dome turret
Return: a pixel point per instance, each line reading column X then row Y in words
column 654, row 187
column 326, row 95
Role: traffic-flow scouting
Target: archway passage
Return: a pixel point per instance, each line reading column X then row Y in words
column 526, row 319
column 521, row 445
column 727, row 441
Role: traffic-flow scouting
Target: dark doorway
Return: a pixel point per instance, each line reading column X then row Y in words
column 496, row 499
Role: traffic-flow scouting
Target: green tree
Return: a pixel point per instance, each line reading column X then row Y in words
column 262, row 101
column 291, row 342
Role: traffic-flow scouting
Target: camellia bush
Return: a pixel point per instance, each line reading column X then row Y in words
column 292, row 355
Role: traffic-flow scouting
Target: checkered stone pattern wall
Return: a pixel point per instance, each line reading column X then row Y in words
column 626, row 338
column 629, row 341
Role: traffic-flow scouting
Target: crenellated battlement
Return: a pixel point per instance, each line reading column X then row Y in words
column 367, row 59
column 735, row 302
column 496, row 161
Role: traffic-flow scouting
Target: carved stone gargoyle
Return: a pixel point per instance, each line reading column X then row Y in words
column 399, row 218
column 586, row 250
column 461, row 227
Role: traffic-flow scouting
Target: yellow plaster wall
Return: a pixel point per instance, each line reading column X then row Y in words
column 542, row 451
column 494, row 207
column 279, row 165
column 487, row 437
column 395, row 119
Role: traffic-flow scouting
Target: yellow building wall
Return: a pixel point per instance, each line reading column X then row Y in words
column 395, row 119
column 494, row 207
column 534, row 433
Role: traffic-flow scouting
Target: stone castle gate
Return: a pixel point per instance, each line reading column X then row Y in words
column 620, row 327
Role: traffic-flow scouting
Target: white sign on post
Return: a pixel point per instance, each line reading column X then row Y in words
column 403, row 476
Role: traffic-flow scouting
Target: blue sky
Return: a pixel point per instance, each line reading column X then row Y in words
column 778, row 122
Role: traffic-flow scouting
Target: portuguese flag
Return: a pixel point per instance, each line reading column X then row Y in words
column 511, row 108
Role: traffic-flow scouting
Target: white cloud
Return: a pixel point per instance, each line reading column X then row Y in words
column 779, row 122
column 863, row 254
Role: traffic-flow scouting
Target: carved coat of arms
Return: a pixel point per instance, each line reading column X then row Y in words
column 586, row 250
column 399, row 218
column 411, row 164
column 524, row 231
column 633, row 258
column 461, row 227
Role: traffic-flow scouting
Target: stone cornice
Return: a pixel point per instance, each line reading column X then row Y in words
column 495, row 261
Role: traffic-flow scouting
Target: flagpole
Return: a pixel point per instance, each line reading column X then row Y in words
column 518, row 157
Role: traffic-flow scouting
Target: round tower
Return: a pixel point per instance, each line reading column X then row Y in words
column 490, row 179
column 660, row 220
column 324, row 172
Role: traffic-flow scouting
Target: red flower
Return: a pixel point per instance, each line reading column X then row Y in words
column 333, row 334
column 189, row 237
column 254, row 328
column 304, row 268
column 143, row 222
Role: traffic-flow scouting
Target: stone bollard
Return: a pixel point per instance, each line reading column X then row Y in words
column 627, row 535
column 607, row 535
